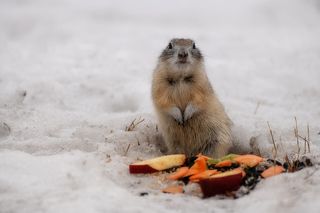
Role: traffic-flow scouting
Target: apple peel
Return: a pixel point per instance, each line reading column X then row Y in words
column 157, row 164
column 221, row 183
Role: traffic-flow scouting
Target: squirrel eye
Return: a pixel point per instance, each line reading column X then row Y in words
column 193, row 46
column 170, row 46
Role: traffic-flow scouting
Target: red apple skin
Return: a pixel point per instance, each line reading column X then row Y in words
column 157, row 164
column 141, row 169
column 220, row 185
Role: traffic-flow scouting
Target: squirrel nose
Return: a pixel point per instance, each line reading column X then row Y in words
column 182, row 54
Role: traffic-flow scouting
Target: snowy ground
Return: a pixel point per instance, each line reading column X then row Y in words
column 74, row 74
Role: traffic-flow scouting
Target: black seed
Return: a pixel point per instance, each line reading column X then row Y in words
column 143, row 194
column 308, row 162
column 285, row 165
column 260, row 168
column 185, row 180
column 252, row 172
column 298, row 165
column 301, row 165
column 190, row 161
column 274, row 162
column 251, row 182
column 211, row 166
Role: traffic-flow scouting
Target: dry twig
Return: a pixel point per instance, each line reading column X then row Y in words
column 305, row 145
column 296, row 134
column 127, row 149
column 308, row 140
column 257, row 107
column 134, row 124
column 290, row 165
column 275, row 150
column 138, row 142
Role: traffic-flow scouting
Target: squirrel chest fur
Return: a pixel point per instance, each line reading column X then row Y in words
column 191, row 118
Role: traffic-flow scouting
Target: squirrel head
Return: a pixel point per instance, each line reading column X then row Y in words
column 181, row 53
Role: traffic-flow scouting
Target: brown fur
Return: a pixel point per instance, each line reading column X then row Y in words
column 208, row 130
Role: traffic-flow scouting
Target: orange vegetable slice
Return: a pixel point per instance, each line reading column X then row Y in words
column 180, row 173
column 272, row 171
column 173, row 189
column 191, row 172
column 203, row 175
column 248, row 160
column 200, row 165
column 225, row 163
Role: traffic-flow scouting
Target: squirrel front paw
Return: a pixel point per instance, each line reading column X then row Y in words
column 182, row 117
column 176, row 114
column 189, row 112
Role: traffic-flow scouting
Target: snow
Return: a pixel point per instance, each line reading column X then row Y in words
column 74, row 74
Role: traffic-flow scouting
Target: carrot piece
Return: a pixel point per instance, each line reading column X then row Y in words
column 225, row 163
column 180, row 173
column 272, row 171
column 248, row 160
column 200, row 165
column 203, row 175
column 173, row 189
column 191, row 172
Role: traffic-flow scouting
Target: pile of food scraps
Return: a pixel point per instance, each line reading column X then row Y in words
column 216, row 176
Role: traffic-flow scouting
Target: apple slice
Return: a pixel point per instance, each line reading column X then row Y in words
column 157, row 164
column 241, row 170
column 221, row 183
column 248, row 160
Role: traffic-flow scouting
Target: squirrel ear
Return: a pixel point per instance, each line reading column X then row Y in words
column 170, row 45
column 194, row 45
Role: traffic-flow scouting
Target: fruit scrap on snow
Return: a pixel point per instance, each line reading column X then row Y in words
column 214, row 176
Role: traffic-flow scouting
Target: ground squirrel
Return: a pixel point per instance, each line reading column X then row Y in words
column 191, row 118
